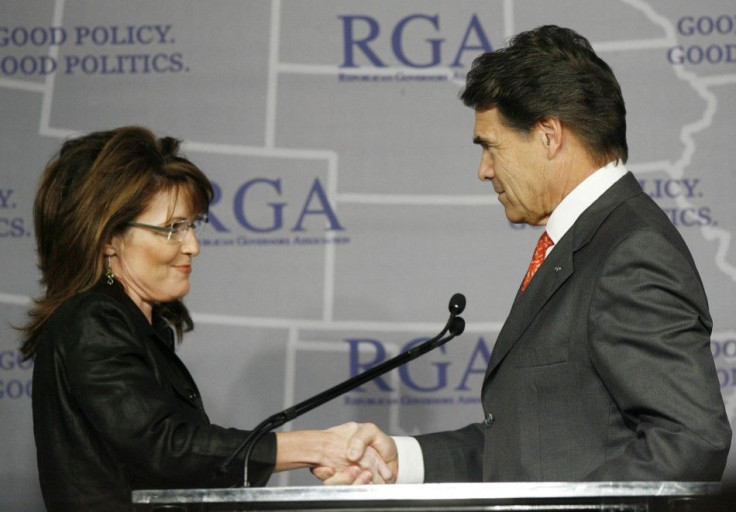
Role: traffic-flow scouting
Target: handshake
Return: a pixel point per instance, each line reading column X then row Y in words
column 355, row 453
column 352, row 453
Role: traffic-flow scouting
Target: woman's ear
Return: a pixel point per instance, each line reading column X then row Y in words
column 110, row 248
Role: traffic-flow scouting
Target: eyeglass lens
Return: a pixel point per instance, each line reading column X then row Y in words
column 180, row 229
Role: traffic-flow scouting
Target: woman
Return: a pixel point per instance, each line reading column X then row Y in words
column 114, row 408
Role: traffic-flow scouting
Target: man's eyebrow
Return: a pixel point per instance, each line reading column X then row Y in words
column 481, row 141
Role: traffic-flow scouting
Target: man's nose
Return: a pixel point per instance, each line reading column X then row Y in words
column 485, row 170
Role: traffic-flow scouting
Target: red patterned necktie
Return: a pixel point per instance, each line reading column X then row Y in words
column 539, row 253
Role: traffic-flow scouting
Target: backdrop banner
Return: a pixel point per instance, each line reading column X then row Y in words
column 348, row 210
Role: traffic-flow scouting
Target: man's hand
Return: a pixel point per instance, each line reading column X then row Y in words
column 371, row 455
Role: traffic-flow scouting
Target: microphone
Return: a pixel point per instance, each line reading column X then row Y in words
column 454, row 327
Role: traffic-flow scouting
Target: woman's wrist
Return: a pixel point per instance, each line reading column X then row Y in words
column 301, row 449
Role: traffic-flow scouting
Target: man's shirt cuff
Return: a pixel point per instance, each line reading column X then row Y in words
column 411, row 461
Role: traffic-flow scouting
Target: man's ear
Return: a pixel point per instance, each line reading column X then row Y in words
column 551, row 135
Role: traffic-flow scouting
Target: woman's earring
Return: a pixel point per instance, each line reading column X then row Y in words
column 109, row 276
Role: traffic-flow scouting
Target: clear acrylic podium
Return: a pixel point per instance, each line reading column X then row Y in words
column 545, row 496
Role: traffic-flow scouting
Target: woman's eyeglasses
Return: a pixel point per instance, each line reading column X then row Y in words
column 177, row 231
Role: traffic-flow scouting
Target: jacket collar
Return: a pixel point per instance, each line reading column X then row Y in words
column 160, row 329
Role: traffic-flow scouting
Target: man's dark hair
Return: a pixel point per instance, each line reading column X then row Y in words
column 553, row 72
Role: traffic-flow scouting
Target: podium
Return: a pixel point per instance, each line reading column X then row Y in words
column 517, row 496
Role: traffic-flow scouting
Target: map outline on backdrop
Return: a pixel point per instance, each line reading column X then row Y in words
column 301, row 337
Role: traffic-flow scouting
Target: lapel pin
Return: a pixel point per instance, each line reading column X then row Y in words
column 557, row 269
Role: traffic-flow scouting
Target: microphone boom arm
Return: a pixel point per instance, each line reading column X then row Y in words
column 455, row 325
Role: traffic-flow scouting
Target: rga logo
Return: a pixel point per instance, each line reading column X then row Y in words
column 415, row 41
column 261, row 214
column 446, row 381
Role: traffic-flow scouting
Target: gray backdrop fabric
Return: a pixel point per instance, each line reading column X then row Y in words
column 348, row 208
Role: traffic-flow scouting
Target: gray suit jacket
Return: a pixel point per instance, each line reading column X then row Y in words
column 602, row 370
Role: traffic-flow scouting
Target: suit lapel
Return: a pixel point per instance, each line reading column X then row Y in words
column 557, row 268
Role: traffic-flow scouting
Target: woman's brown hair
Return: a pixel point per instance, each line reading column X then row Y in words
column 88, row 193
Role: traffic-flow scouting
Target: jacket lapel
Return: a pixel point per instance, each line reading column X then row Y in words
column 557, row 268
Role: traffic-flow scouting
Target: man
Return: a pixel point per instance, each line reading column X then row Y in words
column 602, row 370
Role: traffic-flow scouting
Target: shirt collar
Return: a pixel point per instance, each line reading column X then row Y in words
column 581, row 197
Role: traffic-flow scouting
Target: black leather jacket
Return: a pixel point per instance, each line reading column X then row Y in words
column 115, row 409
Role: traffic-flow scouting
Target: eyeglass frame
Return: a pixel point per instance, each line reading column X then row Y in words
column 171, row 232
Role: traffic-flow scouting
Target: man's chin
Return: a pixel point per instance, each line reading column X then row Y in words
column 514, row 217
